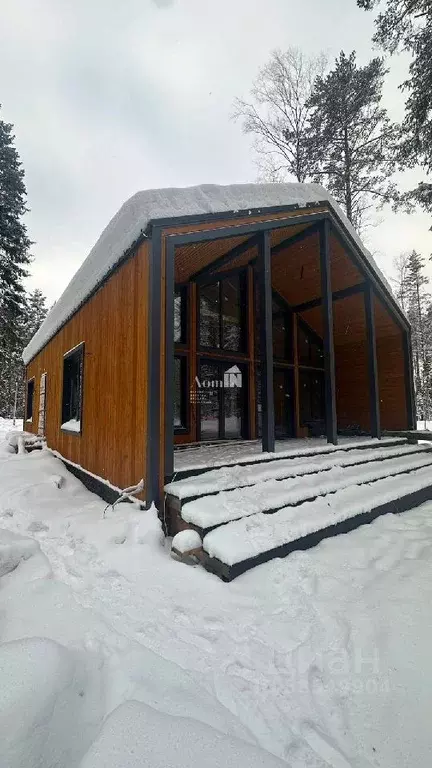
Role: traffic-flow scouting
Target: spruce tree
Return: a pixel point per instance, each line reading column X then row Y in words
column 14, row 259
column 352, row 139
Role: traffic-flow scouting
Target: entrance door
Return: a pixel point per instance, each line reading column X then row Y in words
column 283, row 385
column 222, row 401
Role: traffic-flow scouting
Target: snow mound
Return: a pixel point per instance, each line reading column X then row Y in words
column 131, row 221
column 186, row 540
column 37, row 703
column 136, row 735
column 14, row 549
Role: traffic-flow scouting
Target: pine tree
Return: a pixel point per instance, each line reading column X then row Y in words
column 407, row 25
column 14, row 259
column 351, row 137
column 419, row 315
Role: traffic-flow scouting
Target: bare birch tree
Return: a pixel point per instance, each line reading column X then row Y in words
column 278, row 114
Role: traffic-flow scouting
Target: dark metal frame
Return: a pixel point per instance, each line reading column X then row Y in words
column 409, row 380
column 327, row 315
column 325, row 219
column 375, row 420
column 152, row 486
column 266, row 345
column 344, row 293
column 79, row 348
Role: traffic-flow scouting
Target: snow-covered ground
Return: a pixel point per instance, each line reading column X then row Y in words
column 113, row 655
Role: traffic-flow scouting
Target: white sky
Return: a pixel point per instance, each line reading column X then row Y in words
column 110, row 97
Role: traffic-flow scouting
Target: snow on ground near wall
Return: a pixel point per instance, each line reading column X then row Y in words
column 322, row 659
column 421, row 425
column 132, row 219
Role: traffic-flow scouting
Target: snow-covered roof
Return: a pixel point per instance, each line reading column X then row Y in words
column 132, row 219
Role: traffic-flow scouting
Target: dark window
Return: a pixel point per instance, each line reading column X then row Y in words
column 29, row 400
column 73, row 364
column 282, row 329
column 209, row 305
column 310, row 348
column 282, row 333
column 180, row 394
column 180, row 316
column 222, row 320
column 311, row 398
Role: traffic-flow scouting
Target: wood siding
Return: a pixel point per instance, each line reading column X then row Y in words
column 113, row 324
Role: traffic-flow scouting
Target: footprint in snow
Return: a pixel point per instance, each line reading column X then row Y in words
column 37, row 526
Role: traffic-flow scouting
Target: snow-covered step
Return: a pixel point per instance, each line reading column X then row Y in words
column 210, row 511
column 194, row 461
column 238, row 546
column 230, row 477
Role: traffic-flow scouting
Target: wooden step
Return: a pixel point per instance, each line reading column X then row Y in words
column 270, row 496
column 195, row 467
column 228, row 478
column 238, row 546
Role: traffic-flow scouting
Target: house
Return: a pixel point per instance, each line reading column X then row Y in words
column 215, row 315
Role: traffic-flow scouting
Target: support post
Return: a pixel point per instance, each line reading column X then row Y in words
column 169, row 360
column 327, row 316
column 266, row 332
column 409, row 381
column 372, row 361
column 152, row 480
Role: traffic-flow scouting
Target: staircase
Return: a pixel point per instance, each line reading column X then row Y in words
column 248, row 513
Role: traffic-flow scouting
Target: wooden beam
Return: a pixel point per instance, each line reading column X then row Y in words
column 297, row 238
column 336, row 296
column 266, row 328
column 327, row 315
column 204, row 274
column 207, row 272
column 372, row 361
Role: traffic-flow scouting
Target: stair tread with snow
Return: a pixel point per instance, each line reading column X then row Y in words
column 238, row 476
column 197, row 460
column 268, row 496
column 233, row 548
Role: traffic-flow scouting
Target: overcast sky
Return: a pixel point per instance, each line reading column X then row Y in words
column 112, row 96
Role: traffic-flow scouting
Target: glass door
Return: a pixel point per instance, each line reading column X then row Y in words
column 222, row 400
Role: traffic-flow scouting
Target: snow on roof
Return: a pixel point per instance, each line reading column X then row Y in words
column 136, row 213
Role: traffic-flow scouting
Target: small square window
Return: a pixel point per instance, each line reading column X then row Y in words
column 73, row 363
column 30, row 399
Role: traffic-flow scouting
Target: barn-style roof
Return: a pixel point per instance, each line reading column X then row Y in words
column 136, row 214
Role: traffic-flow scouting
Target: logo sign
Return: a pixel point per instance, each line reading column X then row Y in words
column 232, row 379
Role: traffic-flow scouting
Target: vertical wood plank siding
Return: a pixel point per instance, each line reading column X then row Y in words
column 114, row 325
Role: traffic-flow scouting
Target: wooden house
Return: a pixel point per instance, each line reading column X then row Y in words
column 217, row 315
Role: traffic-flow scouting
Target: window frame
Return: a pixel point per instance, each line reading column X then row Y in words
column 32, row 381
column 225, row 352
column 78, row 349
column 184, row 428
